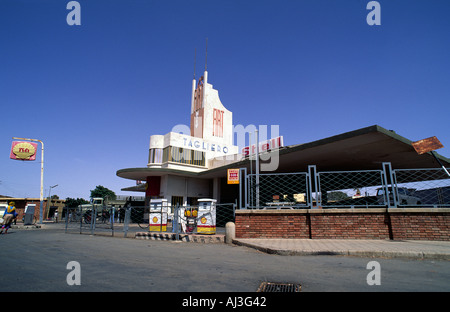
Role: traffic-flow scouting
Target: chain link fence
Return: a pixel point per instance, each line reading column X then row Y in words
column 351, row 189
column 331, row 189
column 422, row 187
column 348, row 189
column 88, row 220
column 129, row 220
column 278, row 190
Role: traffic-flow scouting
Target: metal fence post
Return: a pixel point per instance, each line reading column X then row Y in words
column 442, row 166
column 67, row 217
column 111, row 220
column 390, row 180
column 385, row 184
column 243, row 184
column 318, row 190
column 257, row 169
column 175, row 224
column 312, row 176
column 388, row 177
column 81, row 218
column 93, row 219
column 126, row 220
column 240, row 187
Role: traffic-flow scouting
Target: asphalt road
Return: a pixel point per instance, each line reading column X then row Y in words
column 36, row 261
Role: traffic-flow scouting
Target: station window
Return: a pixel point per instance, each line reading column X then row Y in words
column 183, row 156
column 177, row 200
column 155, row 156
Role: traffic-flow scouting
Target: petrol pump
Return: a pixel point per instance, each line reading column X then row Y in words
column 191, row 213
column 206, row 219
column 158, row 215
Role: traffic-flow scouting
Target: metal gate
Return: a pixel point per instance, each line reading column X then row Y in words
column 90, row 220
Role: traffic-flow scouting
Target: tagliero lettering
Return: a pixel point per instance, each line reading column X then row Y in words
column 198, row 144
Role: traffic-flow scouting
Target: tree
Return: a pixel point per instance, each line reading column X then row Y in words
column 103, row 192
column 73, row 203
column 337, row 195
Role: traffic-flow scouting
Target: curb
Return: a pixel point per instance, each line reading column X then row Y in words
column 25, row 227
column 194, row 238
column 356, row 253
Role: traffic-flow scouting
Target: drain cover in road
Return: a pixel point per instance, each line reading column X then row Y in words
column 279, row 287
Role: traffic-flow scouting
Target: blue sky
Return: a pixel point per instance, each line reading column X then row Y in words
column 95, row 93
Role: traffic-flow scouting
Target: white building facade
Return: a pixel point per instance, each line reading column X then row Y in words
column 176, row 158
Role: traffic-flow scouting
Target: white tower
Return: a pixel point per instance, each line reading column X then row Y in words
column 210, row 120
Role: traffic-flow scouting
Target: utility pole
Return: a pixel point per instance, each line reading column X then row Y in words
column 41, row 197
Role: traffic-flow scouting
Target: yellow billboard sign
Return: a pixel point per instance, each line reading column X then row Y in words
column 233, row 176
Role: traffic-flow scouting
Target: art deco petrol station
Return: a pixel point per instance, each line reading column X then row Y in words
column 177, row 161
column 183, row 168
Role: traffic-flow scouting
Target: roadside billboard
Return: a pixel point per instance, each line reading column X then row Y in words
column 21, row 150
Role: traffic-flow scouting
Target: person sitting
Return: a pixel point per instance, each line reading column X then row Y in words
column 8, row 217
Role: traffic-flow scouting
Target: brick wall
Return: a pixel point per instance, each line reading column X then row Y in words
column 349, row 225
column 424, row 226
column 21, row 211
column 271, row 225
column 399, row 224
column 21, row 203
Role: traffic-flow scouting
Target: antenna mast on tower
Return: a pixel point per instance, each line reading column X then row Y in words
column 206, row 55
column 195, row 60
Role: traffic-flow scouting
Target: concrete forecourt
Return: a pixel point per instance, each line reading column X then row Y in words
column 38, row 262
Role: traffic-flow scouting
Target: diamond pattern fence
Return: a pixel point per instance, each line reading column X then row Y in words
column 422, row 187
column 126, row 221
column 88, row 220
column 279, row 190
column 351, row 189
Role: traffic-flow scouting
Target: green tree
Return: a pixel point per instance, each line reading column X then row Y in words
column 103, row 192
column 337, row 195
column 73, row 203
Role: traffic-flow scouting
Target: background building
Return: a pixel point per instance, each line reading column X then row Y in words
column 48, row 209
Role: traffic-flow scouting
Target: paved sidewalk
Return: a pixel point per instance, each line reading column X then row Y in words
column 438, row 250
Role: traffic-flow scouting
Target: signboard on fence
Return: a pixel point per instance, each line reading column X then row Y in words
column 427, row 145
column 23, row 150
column 233, row 176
